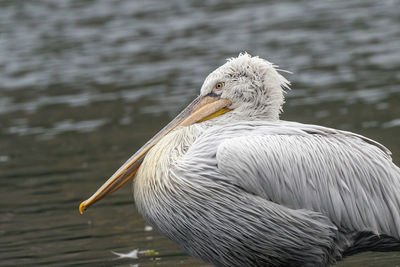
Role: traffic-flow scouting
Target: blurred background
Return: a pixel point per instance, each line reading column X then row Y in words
column 83, row 84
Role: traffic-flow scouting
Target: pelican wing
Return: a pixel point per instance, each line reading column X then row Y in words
column 347, row 177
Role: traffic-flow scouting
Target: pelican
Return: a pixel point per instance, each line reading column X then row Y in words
column 234, row 185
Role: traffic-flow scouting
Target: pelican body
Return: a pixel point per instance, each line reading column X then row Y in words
column 233, row 185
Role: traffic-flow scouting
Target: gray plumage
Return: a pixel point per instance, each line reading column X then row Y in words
column 246, row 189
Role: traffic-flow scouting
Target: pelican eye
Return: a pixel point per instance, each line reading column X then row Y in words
column 219, row 85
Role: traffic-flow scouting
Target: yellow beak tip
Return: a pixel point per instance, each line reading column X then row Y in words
column 82, row 207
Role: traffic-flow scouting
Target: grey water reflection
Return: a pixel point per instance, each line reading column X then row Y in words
column 84, row 83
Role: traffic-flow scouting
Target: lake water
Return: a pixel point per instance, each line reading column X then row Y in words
column 83, row 84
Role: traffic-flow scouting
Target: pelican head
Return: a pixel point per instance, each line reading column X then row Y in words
column 246, row 87
column 252, row 84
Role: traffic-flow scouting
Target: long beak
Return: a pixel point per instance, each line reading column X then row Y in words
column 201, row 109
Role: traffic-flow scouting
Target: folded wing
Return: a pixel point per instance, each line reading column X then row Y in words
column 347, row 177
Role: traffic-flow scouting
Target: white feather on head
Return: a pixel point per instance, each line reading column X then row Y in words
column 252, row 84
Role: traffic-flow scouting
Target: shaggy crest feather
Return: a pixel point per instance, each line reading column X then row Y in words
column 252, row 84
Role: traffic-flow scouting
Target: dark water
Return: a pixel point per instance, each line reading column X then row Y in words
column 84, row 83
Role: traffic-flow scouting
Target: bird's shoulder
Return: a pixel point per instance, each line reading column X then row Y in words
column 218, row 135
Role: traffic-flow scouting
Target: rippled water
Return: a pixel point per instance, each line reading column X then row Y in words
column 84, row 83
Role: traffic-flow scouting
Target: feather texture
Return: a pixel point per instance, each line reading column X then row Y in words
column 296, row 189
column 246, row 189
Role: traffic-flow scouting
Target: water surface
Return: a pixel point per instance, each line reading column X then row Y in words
column 83, row 84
